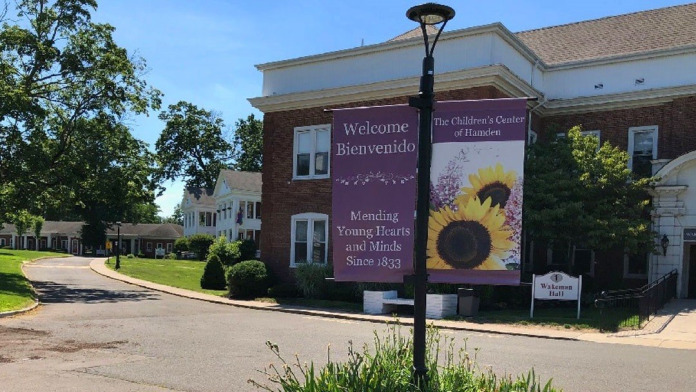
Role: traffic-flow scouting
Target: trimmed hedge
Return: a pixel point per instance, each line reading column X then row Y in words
column 248, row 279
column 213, row 274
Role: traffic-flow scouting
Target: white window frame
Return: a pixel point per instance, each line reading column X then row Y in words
column 310, row 217
column 170, row 246
column 632, row 131
column 149, row 246
column 532, row 137
column 312, row 129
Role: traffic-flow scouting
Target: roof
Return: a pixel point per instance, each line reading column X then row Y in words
column 241, row 180
column 639, row 32
column 432, row 30
column 200, row 196
column 150, row 230
column 56, row 227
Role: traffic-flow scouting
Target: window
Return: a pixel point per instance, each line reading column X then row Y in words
column 311, row 151
column 309, row 235
column 224, row 211
column 258, row 210
column 583, row 260
column 2, row 242
column 250, row 210
column 642, row 148
column 201, row 220
column 636, row 265
column 149, row 246
column 159, row 245
column 64, row 244
column 169, row 247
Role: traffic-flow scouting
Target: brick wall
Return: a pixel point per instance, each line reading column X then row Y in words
column 282, row 197
column 676, row 121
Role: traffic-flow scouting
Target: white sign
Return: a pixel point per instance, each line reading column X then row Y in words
column 556, row 285
column 159, row 252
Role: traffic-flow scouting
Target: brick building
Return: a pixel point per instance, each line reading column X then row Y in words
column 142, row 238
column 627, row 79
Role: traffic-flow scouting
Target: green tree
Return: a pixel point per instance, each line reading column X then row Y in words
column 191, row 146
column 37, row 225
column 248, row 145
column 23, row 221
column 177, row 216
column 58, row 72
column 199, row 244
column 577, row 193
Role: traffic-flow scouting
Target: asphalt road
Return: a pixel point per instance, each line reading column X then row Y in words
column 96, row 334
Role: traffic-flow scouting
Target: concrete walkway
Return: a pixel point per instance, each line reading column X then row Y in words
column 673, row 327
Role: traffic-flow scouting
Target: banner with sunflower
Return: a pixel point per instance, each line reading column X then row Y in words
column 474, row 230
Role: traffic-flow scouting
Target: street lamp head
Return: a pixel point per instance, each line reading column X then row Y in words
column 430, row 13
column 118, row 223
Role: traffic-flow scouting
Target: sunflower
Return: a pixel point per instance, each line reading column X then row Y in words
column 473, row 237
column 491, row 182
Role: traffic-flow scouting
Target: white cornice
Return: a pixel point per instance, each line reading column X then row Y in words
column 496, row 28
column 688, row 49
column 495, row 75
column 628, row 100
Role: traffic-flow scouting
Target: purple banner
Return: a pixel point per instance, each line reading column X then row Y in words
column 474, row 230
column 374, row 193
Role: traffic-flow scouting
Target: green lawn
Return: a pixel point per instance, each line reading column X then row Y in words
column 15, row 289
column 609, row 320
column 185, row 274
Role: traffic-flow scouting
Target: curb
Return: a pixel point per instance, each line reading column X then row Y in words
column 20, row 311
column 303, row 311
column 36, row 295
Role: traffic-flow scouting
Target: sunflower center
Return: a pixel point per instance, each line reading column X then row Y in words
column 497, row 191
column 464, row 244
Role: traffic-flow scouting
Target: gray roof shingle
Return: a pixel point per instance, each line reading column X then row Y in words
column 639, row 32
column 200, row 196
column 241, row 180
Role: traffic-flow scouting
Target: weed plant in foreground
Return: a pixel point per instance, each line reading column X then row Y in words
column 387, row 367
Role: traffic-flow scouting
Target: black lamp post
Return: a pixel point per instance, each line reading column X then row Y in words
column 118, row 245
column 665, row 243
column 424, row 14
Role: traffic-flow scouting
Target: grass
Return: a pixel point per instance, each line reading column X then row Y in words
column 314, row 303
column 184, row 274
column 15, row 290
column 591, row 318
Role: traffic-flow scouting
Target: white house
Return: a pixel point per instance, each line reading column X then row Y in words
column 198, row 208
column 237, row 197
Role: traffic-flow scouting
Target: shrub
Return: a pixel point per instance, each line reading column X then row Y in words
column 171, row 256
column 181, row 244
column 388, row 367
column 284, row 290
column 213, row 274
column 227, row 252
column 311, row 279
column 130, row 256
column 247, row 279
column 247, row 248
column 200, row 243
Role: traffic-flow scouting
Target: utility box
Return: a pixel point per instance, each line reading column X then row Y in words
column 468, row 302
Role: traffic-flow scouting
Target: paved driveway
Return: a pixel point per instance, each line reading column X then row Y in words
column 96, row 334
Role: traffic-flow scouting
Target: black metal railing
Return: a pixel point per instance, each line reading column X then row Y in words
column 632, row 307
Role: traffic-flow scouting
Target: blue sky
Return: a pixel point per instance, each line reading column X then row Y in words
column 204, row 51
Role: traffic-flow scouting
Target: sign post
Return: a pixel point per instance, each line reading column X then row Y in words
column 556, row 285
